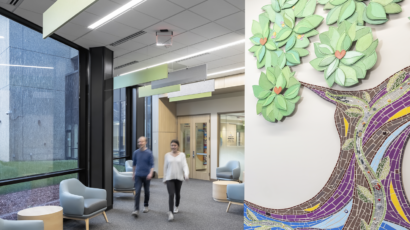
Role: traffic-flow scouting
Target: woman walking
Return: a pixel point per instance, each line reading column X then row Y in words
column 176, row 171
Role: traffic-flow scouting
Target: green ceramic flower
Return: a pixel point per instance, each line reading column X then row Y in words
column 277, row 93
column 334, row 57
column 301, row 8
column 285, row 33
column 356, row 11
column 261, row 40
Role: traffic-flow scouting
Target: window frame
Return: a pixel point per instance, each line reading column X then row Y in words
column 83, row 131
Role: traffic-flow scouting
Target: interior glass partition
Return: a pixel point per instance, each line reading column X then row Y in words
column 119, row 129
column 232, row 139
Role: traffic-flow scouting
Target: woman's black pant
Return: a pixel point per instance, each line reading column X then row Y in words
column 174, row 189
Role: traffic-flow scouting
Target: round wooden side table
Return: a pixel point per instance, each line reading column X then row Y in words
column 219, row 190
column 52, row 216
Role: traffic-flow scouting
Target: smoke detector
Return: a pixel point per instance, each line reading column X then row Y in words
column 164, row 38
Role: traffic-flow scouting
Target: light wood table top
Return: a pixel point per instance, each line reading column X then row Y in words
column 219, row 190
column 52, row 216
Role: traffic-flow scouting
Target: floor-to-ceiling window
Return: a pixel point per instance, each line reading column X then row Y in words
column 119, row 129
column 232, row 139
column 39, row 117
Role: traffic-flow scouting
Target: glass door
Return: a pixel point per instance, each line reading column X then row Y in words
column 193, row 134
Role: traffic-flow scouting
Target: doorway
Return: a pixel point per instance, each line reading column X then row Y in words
column 193, row 134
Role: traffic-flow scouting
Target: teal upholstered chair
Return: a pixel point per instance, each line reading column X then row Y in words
column 123, row 181
column 235, row 194
column 80, row 202
column 128, row 166
column 21, row 224
column 230, row 171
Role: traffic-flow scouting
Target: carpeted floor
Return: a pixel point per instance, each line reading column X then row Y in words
column 197, row 211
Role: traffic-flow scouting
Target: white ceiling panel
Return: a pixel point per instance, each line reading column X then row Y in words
column 74, row 30
column 188, row 38
column 85, row 19
column 117, row 29
column 103, row 8
column 118, row 51
column 240, row 32
column 205, row 45
column 228, row 67
column 219, row 62
column 29, row 15
column 228, row 38
column 146, row 39
column 160, row 9
column 162, row 26
column 152, row 51
column 237, row 58
column 238, row 3
column 69, row 36
column 137, row 20
column 4, row 4
column 37, row 6
column 233, row 22
column 101, row 37
column 211, row 30
column 131, row 45
column 87, row 43
column 214, row 9
column 187, row 20
column 230, row 51
column 187, row 3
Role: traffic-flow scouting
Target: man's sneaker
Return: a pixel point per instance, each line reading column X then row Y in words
column 145, row 210
column 170, row 216
column 176, row 210
column 135, row 213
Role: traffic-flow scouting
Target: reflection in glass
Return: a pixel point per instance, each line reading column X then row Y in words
column 119, row 164
column 119, row 123
column 232, row 139
column 148, row 121
column 185, row 142
column 201, row 134
column 39, row 133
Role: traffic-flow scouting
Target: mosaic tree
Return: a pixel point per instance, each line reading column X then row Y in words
column 374, row 126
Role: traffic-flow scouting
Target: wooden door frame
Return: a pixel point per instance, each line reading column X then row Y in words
column 192, row 123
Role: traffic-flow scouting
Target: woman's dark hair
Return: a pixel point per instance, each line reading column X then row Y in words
column 175, row 141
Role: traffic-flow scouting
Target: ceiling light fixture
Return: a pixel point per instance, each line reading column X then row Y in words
column 1, row 37
column 191, row 55
column 26, row 66
column 226, row 71
column 116, row 13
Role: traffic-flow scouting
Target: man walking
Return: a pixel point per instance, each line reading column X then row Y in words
column 143, row 169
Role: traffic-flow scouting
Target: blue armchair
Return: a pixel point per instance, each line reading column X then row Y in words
column 123, row 181
column 21, row 224
column 235, row 194
column 128, row 166
column 230, row 171
column 80, row 202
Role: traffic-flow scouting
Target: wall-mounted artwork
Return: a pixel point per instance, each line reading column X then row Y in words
column 365, row 190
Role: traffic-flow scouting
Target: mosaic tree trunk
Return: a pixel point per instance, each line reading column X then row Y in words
column 365, row 190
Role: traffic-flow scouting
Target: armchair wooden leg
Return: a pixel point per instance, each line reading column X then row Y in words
column 105, row 216
column 87, row 222
column 229, row 205
column 133, row 193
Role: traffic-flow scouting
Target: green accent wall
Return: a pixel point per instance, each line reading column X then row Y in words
column 189, row 97
column 143, row 76
column 62, row 12
column 148, row 91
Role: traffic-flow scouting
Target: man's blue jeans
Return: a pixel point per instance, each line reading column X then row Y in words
column 139, row 181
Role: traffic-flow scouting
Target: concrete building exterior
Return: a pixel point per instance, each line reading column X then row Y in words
column 39, row 86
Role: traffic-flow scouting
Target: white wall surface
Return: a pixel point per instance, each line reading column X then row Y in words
column 221, row 103
column 289, row 162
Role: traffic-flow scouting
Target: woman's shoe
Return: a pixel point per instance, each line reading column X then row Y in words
column 176, row 210
column 170, row 216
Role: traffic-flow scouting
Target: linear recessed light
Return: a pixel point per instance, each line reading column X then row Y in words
column 226, row 71
column 1, row 37
column 26, row 66
column 116, row 13
column 191, row 55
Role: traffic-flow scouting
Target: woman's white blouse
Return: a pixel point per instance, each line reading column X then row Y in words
column 175, row 168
